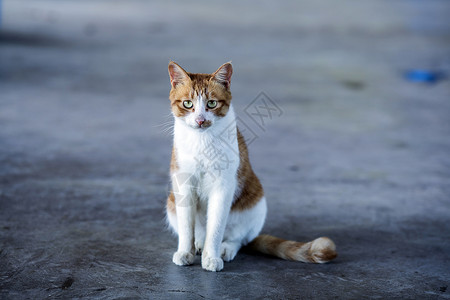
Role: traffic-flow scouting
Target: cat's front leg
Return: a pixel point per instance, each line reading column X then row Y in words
column 185, row 208
column 219, row 204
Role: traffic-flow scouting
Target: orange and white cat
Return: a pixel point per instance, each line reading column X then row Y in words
column 214, row 212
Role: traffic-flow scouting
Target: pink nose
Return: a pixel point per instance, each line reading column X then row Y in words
column 200, row 121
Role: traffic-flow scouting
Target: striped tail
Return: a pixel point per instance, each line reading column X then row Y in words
column 320, row 250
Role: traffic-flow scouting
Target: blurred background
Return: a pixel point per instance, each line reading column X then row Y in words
column 360, row 152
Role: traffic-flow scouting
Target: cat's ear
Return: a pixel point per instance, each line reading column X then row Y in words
column 177, row 74
column 223, row 74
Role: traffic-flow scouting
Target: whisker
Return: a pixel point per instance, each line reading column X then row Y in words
column 167, row 126
column 163, row 124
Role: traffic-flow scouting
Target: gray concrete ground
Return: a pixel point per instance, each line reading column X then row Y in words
column 359, row 154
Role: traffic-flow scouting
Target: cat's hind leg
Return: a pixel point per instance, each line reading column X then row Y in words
column 229, row 249
column 171, row 213
column 242, row 228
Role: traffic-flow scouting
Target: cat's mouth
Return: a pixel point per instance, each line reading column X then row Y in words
column 201, row 127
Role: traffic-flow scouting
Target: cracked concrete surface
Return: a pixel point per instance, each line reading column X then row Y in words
column 360, row 154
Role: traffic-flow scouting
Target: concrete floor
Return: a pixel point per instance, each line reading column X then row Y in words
column 359, row 154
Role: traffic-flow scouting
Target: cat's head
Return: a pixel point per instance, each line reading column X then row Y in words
column 200, row 100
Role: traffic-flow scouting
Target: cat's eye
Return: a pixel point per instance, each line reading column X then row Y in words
column 211, row 103
column 188, row 103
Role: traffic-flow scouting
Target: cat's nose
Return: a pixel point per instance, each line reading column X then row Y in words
column 200, row 121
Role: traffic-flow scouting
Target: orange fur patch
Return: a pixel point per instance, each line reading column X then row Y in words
column 171, row 207
column 320, row 250
column 251, row 189
column 173, row 161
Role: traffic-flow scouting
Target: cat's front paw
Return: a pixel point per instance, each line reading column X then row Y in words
column 182, row 258
column 213, row 264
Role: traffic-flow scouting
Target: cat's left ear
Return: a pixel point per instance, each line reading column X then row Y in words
column 223, row 74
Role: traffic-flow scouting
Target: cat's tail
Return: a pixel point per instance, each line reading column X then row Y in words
column 320, row 250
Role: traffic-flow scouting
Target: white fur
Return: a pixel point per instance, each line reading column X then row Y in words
column 203, row 220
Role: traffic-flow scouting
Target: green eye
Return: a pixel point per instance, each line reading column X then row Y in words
column 211, row 103
column 188, row 103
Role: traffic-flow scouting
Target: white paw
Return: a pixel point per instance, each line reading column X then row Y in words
column 228, row 251
column 198, row 247
column 213, row 264
column 183, row 258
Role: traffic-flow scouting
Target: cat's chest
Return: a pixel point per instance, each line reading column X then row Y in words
column 206, row 155
column 201, row 158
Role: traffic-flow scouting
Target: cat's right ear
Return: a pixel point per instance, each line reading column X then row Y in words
column 177, row 74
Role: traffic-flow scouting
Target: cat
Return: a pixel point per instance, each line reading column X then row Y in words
column 216, row 211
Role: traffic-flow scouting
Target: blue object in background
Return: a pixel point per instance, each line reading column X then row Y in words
column 423, row 76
